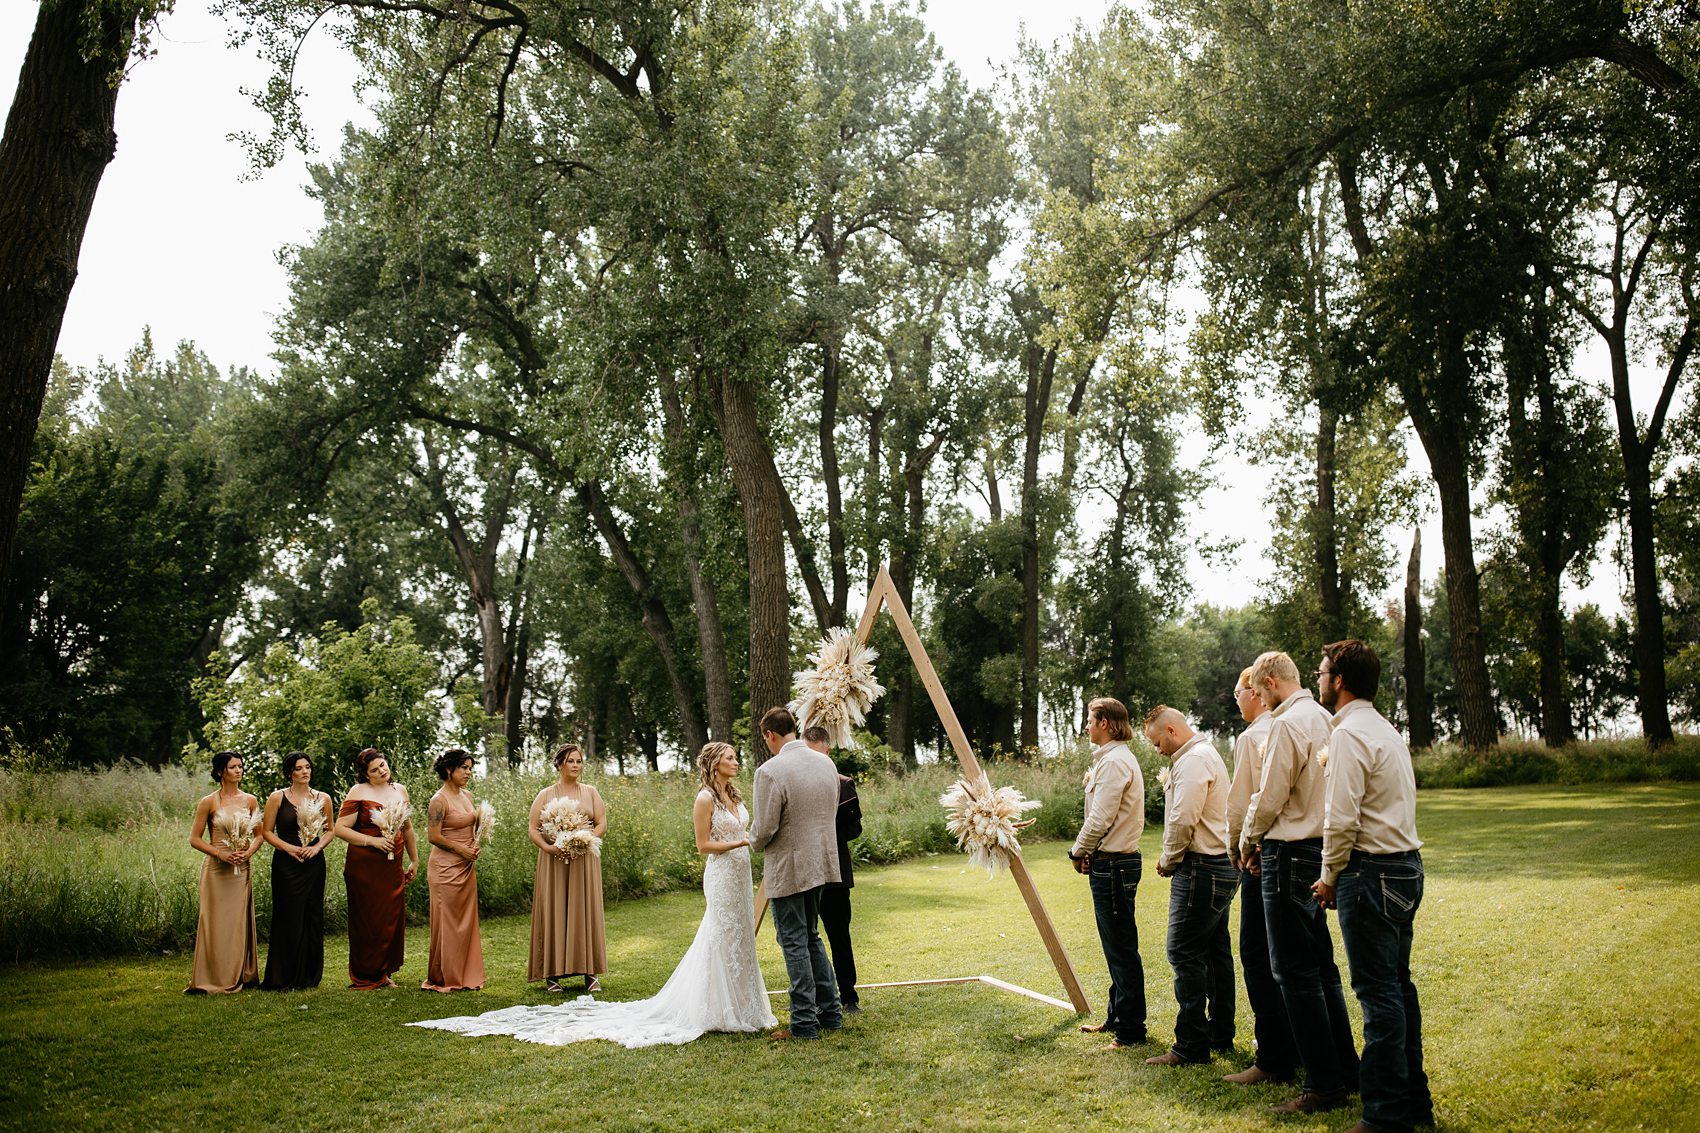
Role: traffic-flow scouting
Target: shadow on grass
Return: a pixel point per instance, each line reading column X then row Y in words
column 1566, row 832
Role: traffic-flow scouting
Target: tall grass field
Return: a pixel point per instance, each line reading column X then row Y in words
column 1552, row 956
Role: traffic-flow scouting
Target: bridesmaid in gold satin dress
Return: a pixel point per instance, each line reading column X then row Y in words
column 226, row 944
column 457, row 955
column 566, row 896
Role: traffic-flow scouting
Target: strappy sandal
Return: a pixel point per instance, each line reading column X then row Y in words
column 591, row 983
column 554, row 985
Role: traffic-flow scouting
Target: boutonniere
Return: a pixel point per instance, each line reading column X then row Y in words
column 1164, row 774
column 1322, row 759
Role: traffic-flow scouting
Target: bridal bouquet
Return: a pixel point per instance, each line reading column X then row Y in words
column 390, row 819
column 569, row 828
column 837, row 693
column 984, row 822
column 310, row 822
column 483, row 819
column 237, row 829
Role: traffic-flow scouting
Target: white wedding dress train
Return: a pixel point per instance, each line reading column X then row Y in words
column 716, row 987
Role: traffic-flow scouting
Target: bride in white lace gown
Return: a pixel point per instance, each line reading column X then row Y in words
column 716, row 987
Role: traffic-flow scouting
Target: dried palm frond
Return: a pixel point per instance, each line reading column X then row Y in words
column 483, row 820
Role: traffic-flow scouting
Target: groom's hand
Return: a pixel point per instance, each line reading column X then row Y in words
column 1081, row 864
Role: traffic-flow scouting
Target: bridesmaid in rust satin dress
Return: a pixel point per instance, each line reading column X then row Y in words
column 226, row 945
column 377, row 912
column 457, row 955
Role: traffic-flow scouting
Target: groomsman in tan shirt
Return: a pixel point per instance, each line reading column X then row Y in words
column 1201, row 888
column 1372, row 871
column 1107, row 851
column 1283, row 828
column 1276, row 1060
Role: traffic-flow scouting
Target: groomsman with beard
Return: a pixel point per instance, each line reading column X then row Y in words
column 1372, row 870
column 1201, row 888
column 1283, row 830
column 1107, row 852
column 1276, row 1060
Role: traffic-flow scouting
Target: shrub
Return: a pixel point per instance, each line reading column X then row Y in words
column 340, row 693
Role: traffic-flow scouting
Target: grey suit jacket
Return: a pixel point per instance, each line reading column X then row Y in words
column 796, row 812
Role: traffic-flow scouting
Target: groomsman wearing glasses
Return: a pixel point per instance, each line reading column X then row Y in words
column 1372, row 871
column 1276, row 1060
column 1284, row 830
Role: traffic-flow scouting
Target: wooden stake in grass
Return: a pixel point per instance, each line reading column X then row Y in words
column 884, row 593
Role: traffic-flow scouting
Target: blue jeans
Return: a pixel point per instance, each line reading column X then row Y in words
column 1200, row 952
column 1274, row 1034
column 1378, row 896
column 1115, row 881
column 814, row 993
column 1301, row 956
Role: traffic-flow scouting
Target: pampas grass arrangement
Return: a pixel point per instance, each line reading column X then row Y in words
column 837, row 693
column 984, row 822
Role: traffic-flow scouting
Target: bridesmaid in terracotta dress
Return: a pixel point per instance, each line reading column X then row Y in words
column 457, row 956
column 296, row 956
column 226, row 945
column 375, row 875
column 566, row 900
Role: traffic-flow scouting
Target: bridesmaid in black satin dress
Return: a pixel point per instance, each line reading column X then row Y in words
column 296, row 958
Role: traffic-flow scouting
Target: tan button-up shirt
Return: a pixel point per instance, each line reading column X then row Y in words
column 1372, row 790
column 1290, row 796
column 1248, row 772
column 1115, row 803
column 1195, row 803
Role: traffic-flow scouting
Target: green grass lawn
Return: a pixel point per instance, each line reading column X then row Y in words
column 1552, row 959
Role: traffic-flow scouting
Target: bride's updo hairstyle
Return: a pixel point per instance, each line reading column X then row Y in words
column 707, row 760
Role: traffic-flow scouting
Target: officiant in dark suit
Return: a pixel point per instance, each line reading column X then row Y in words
column 835, row 898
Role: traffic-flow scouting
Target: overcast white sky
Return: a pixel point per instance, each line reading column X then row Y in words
column 179, row 242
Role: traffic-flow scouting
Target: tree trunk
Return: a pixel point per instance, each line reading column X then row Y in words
column 1478, row 726
column 1417, row 708
column 1328, row 588
column 1556, row 727
column 1650, row 687
column 838, row 564
column 514, row 728
column 1118, row 628
column 478, row 563
column 705, row 596
column 59, row 139
column 656, row 622
column 1040, row 365
column 764, row 544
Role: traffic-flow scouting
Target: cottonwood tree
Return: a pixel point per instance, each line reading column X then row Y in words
column 59, row 139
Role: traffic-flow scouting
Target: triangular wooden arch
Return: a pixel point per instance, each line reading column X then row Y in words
column 884, row 593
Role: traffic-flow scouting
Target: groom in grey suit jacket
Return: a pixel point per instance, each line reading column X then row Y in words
column 796, row 808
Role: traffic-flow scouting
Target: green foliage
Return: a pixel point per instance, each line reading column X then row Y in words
column 1524, row 762
column 330, row 697
column 132, row 551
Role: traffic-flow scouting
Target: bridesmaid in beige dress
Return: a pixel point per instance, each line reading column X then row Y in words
column 457, row 955
column 566, row 901
column 226, row 945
